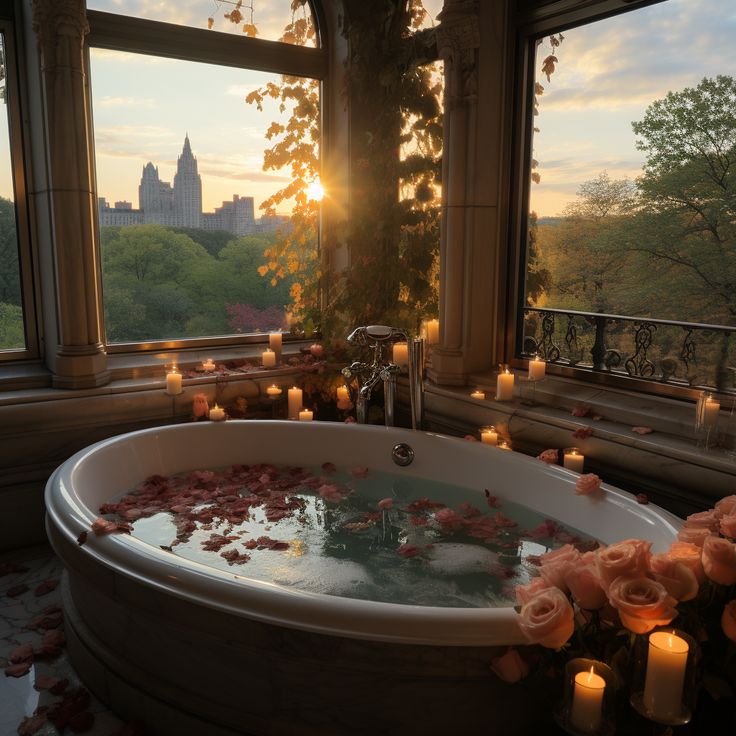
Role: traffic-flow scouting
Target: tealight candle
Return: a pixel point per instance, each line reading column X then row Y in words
column 503, row 445
column 478, row 394
column 573, row 459
column 343, row 393
column 489, row 436
column 505, row 386
column 537, row 369
column 433, row 331
column 306, row 415
column 274, row 342
column 208, row 365
column 666, row 665
column 273, row 391
column 587, row 702
column 296, row 400
column 173, row 382
column 217, row 413
column 401, row 354
column 269, row 358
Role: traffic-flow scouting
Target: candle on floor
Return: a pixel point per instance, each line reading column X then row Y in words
column 478, row 394
column 587, row 702
column 573, row 459
column 505, row 386
column 273, row 391
column 489, row 436
column 296, row 400
column 217, row 414
column 275, row 343
column 537, row 369
column 173, row 382
column 433, row 331
column 269, row 358
column 401, row 354
column 666, row 665
column 343, row 393
column 306, row 415
column 208, row 365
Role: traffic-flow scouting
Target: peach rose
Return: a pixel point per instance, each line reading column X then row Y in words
column 556, row 564
column 642, row 604
column 585, row 585
column 694, row 535
column 690, row 555
column 719, row 560
column 728, row 526
column 703, row 519
column 551, row 457
column 727, row 505
column 316, row 350
column 587, row 484
column 728, row 620
column 677, row 578
column 524, row 593
column 510, row 667
column 547, row 619
column 630, row 557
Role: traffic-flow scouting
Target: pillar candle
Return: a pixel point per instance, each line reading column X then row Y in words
column 343, row 393
column 587, row 702
column 505, row 386
column 306, row 415
column 173, row 382
column 401, row 354
column 666, row 664
column 433, row 331
column 296, row 399
column 573, row 459
column 274, row 342
column 489, row 436
column 537, row 369
column 273, row 391
column 208, row 365
column 217, row 413
column 478, row 394
column 711, row 409
column 269, row 358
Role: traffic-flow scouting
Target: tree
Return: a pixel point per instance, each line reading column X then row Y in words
column 9, row 268
column 12, row 336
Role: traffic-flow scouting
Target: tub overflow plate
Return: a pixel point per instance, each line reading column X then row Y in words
column 402, row 454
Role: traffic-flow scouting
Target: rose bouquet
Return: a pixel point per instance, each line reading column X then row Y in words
column 603, row 604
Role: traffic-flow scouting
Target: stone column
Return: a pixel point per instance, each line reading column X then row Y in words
column 79, row 360
column 470, row 169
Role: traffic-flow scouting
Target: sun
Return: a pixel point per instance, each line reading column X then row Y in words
column 315, row 191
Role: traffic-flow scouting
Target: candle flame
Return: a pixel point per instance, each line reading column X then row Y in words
column 590, row 674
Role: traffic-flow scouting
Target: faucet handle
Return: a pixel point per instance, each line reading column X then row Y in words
column 379, row 332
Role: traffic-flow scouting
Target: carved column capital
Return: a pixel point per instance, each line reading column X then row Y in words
column 458, row 36
column 55, row 18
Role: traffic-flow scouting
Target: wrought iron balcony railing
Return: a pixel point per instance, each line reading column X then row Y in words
column 665, row 351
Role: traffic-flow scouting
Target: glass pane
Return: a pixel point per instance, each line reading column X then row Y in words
column 195, row 232
column 632, row 193
column 12, row 333
column 289, row 21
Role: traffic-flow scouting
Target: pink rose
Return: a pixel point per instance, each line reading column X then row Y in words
column 551, row 457
column 677, row 578
column 703, row 519
column 547, row 619
column 585, row 585
column 350, row 420
column 470, row 438
column 316, row 350
column 726, row 506
column 642, row 604
column 556, row 564
column 694, row 535
column 587, row 484
column 728, row 526
column 200, row 407
column 511, row 667
column 524, row 593
column 728, row 620
column 386, row 503
column 689, row 555
column 630, row 558
column 719, row 560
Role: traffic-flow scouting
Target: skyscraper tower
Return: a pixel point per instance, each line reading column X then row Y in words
column 187, row 189
column 155, row 196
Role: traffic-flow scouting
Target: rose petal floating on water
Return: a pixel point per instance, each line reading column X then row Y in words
column 328, row 467
column 45, row 682
column 409, row 550
column 16, row 590
column 386, row 503
column 46, row 587
column 23, row 653
column 360, row 471
column 492, row 501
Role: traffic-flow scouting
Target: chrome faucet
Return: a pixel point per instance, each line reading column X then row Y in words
column 378, row 338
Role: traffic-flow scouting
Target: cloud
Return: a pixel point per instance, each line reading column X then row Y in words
column 242, row 90
column 108, row 101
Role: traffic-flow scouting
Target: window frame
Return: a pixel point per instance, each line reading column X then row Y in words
column 130, row 34
column 533, row 23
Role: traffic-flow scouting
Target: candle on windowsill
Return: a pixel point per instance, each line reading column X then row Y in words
column 478, row 394
column 217, row 414
column 537, row 369
column 275, row 343
column 273, row 391
column 208, row 365
column 665, row 678
column 573, row 459
column 587, row 702
column 269, row 358
column 173, row 382
column 343, row 393
column 505, row 386
column 433, row 331
column 296, row 400
column 306, row 415
column 401, row 354
column 489, row 436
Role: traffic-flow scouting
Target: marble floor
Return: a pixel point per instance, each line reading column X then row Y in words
column 29, row 615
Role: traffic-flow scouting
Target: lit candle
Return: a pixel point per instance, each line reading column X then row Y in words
column 505, row 386
column 587, row 702
column 273, row 391
column 573, row 459
column 173, row 382
column 296, row 400
column 433, row 331
column 306, row 415
column 537, row 368
column 478, row 394
column 217, row 413
column 343, row 393
column 208, row 365
column 666, row 664
column 401, row 354
column 489, row 436
column 269, row 358
column 274, row 342
column 711, row 408
column 503, row 445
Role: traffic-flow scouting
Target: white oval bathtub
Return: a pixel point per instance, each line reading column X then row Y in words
column 126, row 598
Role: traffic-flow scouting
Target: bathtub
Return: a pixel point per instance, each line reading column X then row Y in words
column 197, row 650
